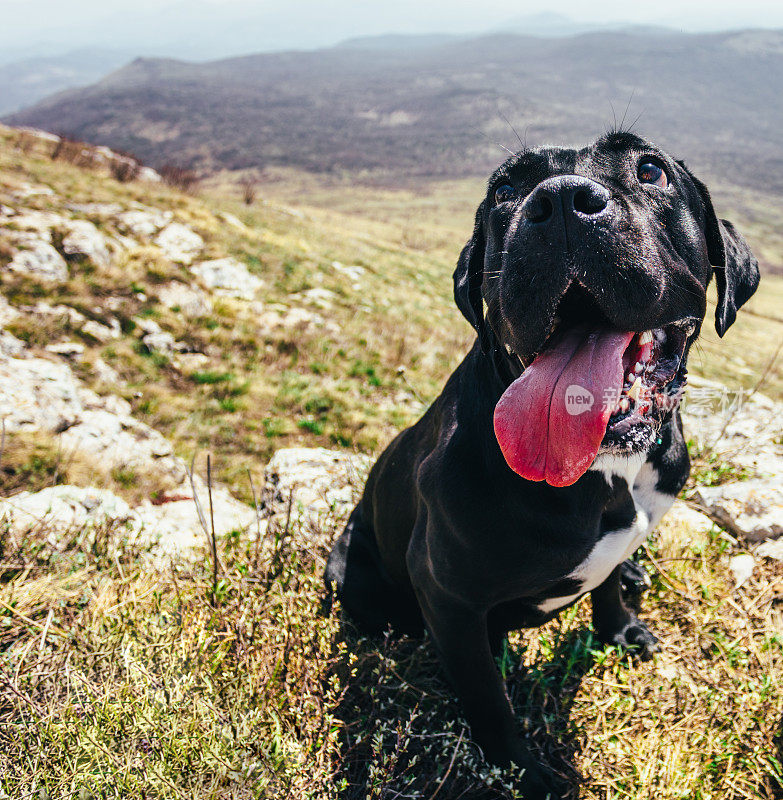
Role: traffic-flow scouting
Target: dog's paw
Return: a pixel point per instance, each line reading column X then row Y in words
column 540, row 783
column 634, row 579
column 635, row 637
column 536, row 781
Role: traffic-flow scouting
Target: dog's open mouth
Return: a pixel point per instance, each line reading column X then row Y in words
column 591, row 387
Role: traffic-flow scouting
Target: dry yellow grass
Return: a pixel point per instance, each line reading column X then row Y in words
column 119, row 679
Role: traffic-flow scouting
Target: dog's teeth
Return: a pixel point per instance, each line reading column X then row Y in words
column 646, row 337
column 630, row 377
column 639, row 367
column 635, row 390
column 624, row 404
column 509, row 350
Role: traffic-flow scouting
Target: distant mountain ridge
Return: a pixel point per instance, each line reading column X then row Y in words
column 27, row 80
column 439, row 108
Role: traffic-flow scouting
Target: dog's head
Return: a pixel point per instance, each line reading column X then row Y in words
column 593, row 268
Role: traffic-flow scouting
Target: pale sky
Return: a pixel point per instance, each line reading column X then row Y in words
column 210, row 28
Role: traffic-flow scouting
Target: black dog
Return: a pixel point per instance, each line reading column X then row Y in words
column 556, row 446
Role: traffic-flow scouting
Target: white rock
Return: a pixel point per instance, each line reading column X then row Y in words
column 354, row 273
column 741, row 568
column 38, row 394
column 100, row 332
column 107, row 402
column 190, row 300
column 751, row 509
column 72, row 351
column 179, row 243
column 143, row 224
column 234, row 222
column 190, row 362
column 27, row 190
column 115, row 441
column 161, row 342
column 11, row 346
column 148, row 175
column 40, row 222
column 7, row 312
column 682, row 514
column 40, row 261
column 105, row 373
column 59, row 311
column 320, row 297
column 44, row 136
column 84, row 240
column 62, row 508
column 227, row 276
column 174, row 526
column 734, row 427
column 101, row 210
column 771, row 549
column 321, row 483
column 281, row 317
column 170, row 529
column 147, row 325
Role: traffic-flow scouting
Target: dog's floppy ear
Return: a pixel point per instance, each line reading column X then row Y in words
column 736, row 268
column 468, row 277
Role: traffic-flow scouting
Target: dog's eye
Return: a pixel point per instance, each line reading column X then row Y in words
column 652, row 173
column 503, row 193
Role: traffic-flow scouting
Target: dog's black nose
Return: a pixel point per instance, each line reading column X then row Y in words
column 564, row 197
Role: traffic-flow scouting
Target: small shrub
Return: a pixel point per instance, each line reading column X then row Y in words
column 183, row 179
column 124, row 169
column 73, row 151
column 249, row 185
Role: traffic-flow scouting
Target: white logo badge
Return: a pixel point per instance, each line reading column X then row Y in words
column 578, row 400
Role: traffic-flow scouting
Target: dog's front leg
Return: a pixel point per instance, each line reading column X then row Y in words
column 461, row 637
column 615, row 623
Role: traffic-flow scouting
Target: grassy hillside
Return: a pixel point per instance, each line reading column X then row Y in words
column 438, row 110
column 380, row 262
column 125, row 678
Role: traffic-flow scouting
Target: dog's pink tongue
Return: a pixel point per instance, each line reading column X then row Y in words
column 551, row 420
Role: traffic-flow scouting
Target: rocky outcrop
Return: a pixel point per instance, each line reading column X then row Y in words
column 179, row 243
column 39, row 260
column 228, row 277
column 744, row 430
column 750, row 510
column 83, row 240
column 167, row 529
column 143, row 223
column 189, row 300
column 36, row 394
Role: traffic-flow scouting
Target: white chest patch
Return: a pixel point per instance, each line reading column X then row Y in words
column 615, row 546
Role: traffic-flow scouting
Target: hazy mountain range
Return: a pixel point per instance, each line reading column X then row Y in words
column 27, row 80
column 197, row 32
column 438, row 105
